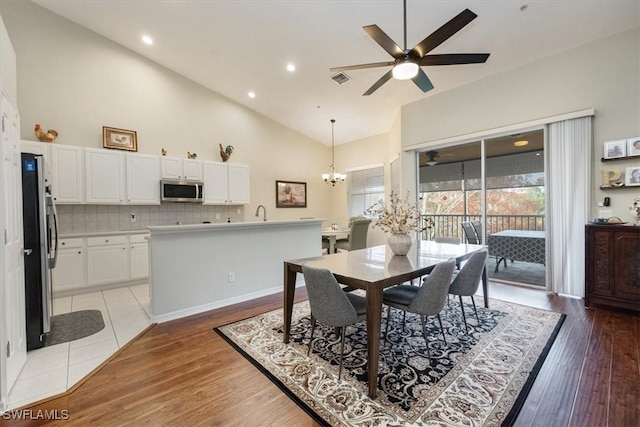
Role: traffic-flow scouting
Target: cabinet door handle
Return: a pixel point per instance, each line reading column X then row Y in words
column 79, row 252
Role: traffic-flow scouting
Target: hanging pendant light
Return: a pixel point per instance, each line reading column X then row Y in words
column 333, row 176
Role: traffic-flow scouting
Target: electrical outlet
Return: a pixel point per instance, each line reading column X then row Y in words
column 133, row 217
column 217, row 216
column 605, row 213
column 239, row 211
column 232, row 277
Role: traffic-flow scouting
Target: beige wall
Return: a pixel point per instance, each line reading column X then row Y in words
column 604, row 75
column 75, row 81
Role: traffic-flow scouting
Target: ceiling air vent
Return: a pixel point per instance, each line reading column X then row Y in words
column 340, row 78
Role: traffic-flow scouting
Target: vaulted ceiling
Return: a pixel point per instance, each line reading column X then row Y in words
column 237, row 46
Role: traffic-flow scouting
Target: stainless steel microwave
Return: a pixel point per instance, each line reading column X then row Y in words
column 181, row 191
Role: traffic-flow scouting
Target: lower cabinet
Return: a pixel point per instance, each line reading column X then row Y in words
column 107, row 260
column 612, row 259
column 69, row 270
column 99, row 260
column 139, row 257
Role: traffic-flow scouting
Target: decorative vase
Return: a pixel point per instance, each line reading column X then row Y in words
column 400, row 243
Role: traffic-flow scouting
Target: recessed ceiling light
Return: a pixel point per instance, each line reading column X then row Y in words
column 291, row 67
column 521, row 143
column 147, row 39
column 252, row 94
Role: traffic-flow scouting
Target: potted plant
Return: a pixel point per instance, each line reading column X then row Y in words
column 398, row 217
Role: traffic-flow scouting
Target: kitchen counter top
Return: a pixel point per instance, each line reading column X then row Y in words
column 102, row 234
column 224, row 226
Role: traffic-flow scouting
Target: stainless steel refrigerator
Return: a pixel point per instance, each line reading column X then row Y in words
column 40, row 224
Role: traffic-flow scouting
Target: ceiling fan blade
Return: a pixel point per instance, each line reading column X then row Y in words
column 362, row 66
column 379, row 83
column 443, row 33
column 454, row 58
column 384, row 40
column 422, row 81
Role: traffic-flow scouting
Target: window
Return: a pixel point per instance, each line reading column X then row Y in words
column 366, row 187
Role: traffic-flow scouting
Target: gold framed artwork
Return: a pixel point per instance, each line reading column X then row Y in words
column 119, row 139
column 291, row 194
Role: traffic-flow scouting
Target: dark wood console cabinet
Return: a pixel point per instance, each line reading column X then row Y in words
column 613, row 266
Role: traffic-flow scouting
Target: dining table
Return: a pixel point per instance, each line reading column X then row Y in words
column 332, row 234
column 517, row 245
column 373, row 269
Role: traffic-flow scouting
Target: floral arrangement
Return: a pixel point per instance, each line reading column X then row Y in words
column 398, row 217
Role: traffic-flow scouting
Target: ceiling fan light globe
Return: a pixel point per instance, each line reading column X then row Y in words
column 405, row 70
column 432, row 163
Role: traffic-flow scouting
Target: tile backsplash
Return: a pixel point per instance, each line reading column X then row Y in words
column 96, row 218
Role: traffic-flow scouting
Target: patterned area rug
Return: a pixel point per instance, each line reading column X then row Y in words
column 480, row 378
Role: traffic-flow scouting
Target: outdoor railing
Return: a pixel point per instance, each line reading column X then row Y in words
column 450, row 225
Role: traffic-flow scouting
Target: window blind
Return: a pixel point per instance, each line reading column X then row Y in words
column 366, row 187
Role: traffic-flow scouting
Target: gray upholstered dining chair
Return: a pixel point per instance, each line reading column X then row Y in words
column 468, row 279
column 357, row 236
column 470, row 233
column 330, row 305
column 426, row 300
column 477, row 227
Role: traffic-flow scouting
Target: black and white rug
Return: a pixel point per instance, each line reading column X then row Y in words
column 73, row 326
column 480, row 378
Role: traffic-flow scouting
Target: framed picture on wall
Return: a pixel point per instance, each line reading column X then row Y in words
column 119, row 139
column 632, row 176
column 615, row 149
column 291, row 194
column 633, row 146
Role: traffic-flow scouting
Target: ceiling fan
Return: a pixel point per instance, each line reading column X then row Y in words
column 432, row 155
column 407, row 63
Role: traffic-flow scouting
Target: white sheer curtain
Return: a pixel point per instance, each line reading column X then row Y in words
column 569, row 185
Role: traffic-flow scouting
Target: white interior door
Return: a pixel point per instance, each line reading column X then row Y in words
column 15, row 346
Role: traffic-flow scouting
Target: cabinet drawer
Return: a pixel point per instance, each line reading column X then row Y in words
column 106, row 240
column 138, row 238
column 75, row 242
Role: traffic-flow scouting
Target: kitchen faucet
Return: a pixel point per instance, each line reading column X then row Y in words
column 264, row 209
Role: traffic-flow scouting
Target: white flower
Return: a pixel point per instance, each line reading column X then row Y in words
column 399, row 216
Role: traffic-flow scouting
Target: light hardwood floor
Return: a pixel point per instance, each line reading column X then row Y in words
column 182, row 373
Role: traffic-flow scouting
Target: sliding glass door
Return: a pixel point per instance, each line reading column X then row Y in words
column 497, row 185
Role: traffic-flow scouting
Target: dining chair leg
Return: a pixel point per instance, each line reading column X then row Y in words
column 442, row 329
column 424, row 334
column 341, row 352
column 313, row 326
column 386, row 329
column 475, row 309
column 464, row 318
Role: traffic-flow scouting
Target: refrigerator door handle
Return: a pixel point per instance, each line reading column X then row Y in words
column 53, row 260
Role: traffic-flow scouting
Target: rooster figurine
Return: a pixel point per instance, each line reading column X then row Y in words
column 47, row 136
column 225, row 153
column 191, row 155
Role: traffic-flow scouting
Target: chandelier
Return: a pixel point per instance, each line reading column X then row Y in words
column 333, row 176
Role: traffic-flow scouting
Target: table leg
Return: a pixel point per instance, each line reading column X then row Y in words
column 485, row 286
column 289, row 293
column 374, row 318
column 332, row 244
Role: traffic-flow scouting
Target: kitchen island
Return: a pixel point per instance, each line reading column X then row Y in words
column 200, row 267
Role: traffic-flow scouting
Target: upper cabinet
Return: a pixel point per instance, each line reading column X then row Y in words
column 181, row 169
column 105, row 176
column 143, row 179
column 225, row 184
column 67, row 173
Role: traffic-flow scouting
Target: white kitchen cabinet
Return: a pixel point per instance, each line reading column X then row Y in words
column 181, row 169
column 41, row 148
column 70, row 266
column 138, row 256
column 225, row 184
column 105, row 176
column 67, row 173
column 238, row 184
column 107, row 260
column 143, row 179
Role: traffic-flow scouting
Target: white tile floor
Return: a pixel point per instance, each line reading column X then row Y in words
column 52, row 370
